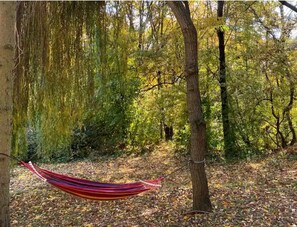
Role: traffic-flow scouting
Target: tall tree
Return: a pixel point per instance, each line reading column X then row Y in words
column 201, row 201
column 7, row 25
column 229, row 141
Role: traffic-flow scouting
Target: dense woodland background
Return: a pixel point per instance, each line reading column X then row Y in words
column 96, row 78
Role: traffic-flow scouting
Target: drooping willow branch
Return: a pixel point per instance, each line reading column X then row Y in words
column 55, row 70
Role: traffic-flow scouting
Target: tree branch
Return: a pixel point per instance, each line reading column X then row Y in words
column 285, row 3
column 181, row 11
column 258, row 19
column 162, row 83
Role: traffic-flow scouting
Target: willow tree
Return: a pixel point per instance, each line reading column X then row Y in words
column 7, row 25
column 56, row 72
column 201, row 201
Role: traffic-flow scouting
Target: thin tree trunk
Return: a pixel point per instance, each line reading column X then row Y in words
column 162, row 117
column 287, row 110
column 141, row 26
column 285, row 61
column 201, row 201
column 7, row 41
column 293, row 140
column 228, row 135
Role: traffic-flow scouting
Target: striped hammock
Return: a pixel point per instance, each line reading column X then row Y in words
column 90, row 189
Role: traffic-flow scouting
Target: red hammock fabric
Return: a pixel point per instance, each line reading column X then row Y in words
column 90, row 189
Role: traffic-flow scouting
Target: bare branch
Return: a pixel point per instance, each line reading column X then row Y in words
column 181, row 77
column 263, row 24
column 285, row 3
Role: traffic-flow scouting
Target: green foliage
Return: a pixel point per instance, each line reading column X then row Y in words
column 99, row 77
column 57, row 73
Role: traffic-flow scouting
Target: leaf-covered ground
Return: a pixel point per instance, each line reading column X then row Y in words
column 255, row 193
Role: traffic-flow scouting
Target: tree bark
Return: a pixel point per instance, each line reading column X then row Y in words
column 201, row 201
column 229, row 139
column 7, row 41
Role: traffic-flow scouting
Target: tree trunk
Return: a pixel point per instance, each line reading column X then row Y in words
column 288, row 108
column 291, row 126
column 141, row 26
column 229, row 144
column 201, row 201
column 7, row 18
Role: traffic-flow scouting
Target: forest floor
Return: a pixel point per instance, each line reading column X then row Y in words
column 246, row 193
